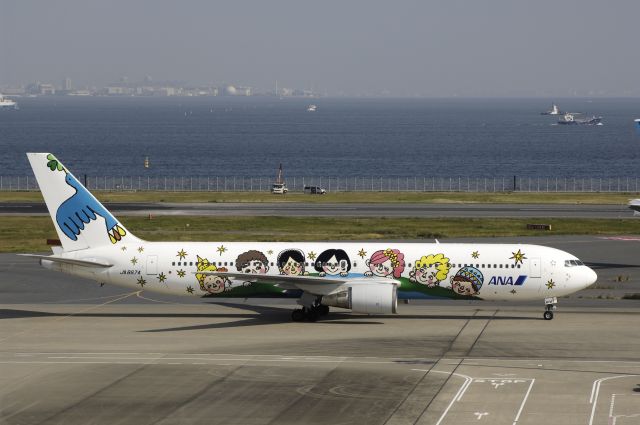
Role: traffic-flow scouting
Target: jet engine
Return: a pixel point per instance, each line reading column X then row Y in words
column 370, row 298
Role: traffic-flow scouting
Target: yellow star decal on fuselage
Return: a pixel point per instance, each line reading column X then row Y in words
column 181, row 254
column 134, row 261
column 475, row 254
column 550, row 284
column 518, row 257
column 221, row 249
column 181, row 273
column 162, row 277
column 362, row 253
column 312, row 256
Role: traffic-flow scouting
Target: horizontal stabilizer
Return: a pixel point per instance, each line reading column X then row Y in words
column 56, row 259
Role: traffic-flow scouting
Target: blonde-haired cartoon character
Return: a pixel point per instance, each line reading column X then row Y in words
column 386, row 263
column 430, row 270
column 209, row 283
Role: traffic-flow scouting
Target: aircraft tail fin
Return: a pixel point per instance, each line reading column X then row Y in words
column 79, row 218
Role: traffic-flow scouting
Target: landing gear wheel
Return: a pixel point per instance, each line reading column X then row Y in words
column 548, row 315
column 312, row 314
column 297, row 315
column 323, row 310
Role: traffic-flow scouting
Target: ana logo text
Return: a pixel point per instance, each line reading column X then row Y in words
column 507, row 280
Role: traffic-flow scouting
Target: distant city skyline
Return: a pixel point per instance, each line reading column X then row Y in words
column 407, row 48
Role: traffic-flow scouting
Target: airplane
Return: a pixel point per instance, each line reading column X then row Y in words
column 364, row 277
column 634, row 205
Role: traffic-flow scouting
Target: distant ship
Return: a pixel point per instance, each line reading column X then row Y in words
column 312, row 108
column 7, row 103
column 570, row 119
column 554, row 110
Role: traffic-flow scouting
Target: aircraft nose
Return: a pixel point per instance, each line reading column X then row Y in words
column 590, row 277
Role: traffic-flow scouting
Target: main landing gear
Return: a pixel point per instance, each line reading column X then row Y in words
column 311, row 309
column 549, row 307
column 310, row 314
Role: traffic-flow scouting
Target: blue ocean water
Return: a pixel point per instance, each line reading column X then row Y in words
column 250, row 137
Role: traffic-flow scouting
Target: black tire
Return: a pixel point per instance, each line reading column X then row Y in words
column 312, row 314
column 323, row 310
column 297, row 315
column 548, row 315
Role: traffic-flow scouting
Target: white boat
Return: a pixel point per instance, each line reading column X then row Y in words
column 312, row 108
column 7, row 103
column 554, row 110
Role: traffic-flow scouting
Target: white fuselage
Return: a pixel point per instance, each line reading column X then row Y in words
column 425, row 270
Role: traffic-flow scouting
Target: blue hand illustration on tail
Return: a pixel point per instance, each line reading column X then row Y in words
column 80, row 209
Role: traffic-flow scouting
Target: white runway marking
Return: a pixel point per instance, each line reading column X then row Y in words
column 497, row 384
column 621, row 238
column 595, row 392
column 463, row 387
column 614, row 418
column 523, row 402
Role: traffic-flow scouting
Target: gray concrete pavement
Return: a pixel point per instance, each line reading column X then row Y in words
column 294, row 209
column 72, row 352
column 437, row 364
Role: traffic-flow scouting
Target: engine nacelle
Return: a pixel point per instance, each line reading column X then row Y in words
column 370, row 298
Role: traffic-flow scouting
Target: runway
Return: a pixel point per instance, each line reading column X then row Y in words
column 295, row 209
column 75, row 353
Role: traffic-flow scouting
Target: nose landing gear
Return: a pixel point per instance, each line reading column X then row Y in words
column 549, row 307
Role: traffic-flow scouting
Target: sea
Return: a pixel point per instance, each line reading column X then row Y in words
column 373, row 137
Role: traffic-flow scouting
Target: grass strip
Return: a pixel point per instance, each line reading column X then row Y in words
column 348, row 197
column 29, row 234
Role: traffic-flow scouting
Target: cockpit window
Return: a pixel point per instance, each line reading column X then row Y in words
column 572, row 263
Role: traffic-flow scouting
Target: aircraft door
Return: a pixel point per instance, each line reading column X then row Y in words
column 152, row 264
column 534, row 267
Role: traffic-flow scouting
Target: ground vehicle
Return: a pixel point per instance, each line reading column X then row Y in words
column 279, row 188
column 314, row 190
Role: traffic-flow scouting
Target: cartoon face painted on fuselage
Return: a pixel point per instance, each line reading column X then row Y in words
column 333, row 266
column 461, row 287
column 384, row 269
column 214, row 284
column 427, row 275
column 293, row 268
column 255, row 267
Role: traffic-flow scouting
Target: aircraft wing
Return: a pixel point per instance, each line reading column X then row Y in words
column 56, row 259
column 312, row 284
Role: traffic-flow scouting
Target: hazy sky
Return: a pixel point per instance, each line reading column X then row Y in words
column 402, row 47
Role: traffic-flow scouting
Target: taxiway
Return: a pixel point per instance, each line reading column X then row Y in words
column 72, row 352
